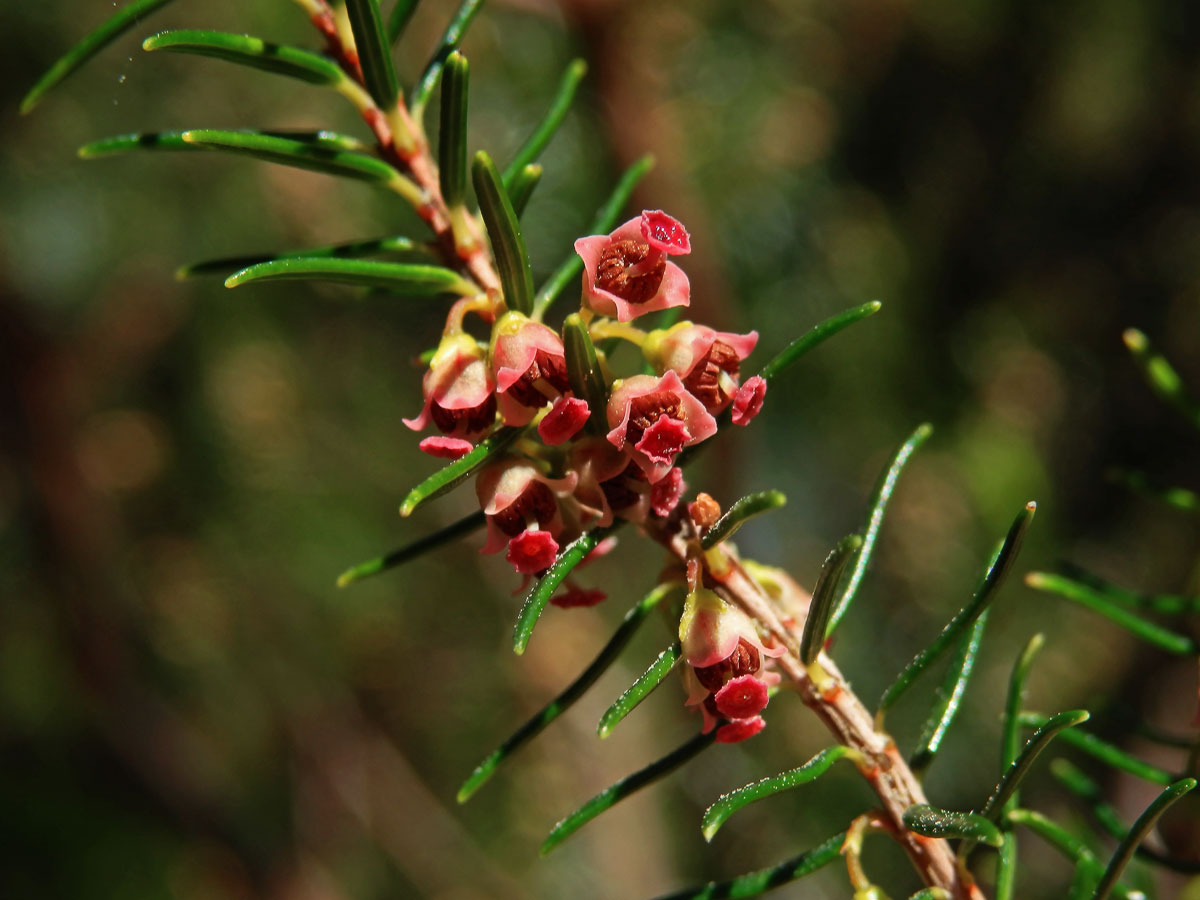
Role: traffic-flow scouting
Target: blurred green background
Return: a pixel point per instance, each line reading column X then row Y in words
column 189, row 708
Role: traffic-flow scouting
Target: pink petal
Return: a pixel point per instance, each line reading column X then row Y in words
column 664, row 232
column 740, row 730
column 665, row 493
column 566, row 417
column 741, row 697
column 748, row 400
column 663, row 440
column 532, row 551
column 603, row 548
column 446, row 447
column 574, row 597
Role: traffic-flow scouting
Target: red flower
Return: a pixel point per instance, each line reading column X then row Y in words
column 749, row 400
column 459, row 391
column 626, row 273
column 707, row 360
column 575, row 596
column 655, row 418
column 563, row 422
column 739, row 730
column 521, row 505
column 530, row 368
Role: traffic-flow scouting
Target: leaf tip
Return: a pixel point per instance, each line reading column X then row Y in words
column 1134, row 339
column 236, row 278
column 346, row 578
column 29, row 101
column 1035, row 580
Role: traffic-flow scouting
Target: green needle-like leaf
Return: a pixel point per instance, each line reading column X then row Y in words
column 401, row 15
column 374, row 52
column 1137, row 834
column 1066, row 843
column 250, row 51
column 817, row 335
column 605, row 219
column 522, row 187
column 348, row 250
column 452, row 139
column 1011, row 740
column 879, row 503
column 948, row 699
column 327, row 141
column 405, row 278
column 612, row 795
column 998, row 567
column 583, row 371
column 1161, row 376
column 512, row 259
column 824, row 596
column 727, row 804
column 292, row 152
column 419, row 547
column 536, row 142
column 451, row 38
column 539, row 596
column 560, row 704
column 944, row 823
column 752, row 884
column 1160, row 637
column 1168, row 604
column 639, row 690
column 1105, row 752
column 452, row 475
column 1176, row 497
column 129, row 15
column 1020, row 766
column 1006, row 867
column 739, row 513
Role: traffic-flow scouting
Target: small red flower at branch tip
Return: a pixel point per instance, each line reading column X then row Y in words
column 663, row 440
column 530, row 367
column 577, row 597
column 637, row 406
column 532, row 551
column 666, row 493
column 627, row 275
column 741, row 697
column 749, row 400
column 563, row 422
column 740, row 730
column 707, row 360
column 516, row 496
column 446, row 447
column 665, row 233
column 459, row 391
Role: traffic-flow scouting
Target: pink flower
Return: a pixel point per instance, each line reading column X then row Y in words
column 575, row 597
column 458, row 388
column 749, row 400
column 563, row 422
column 446, row 447
column 522, row 509
column 531, row 551
column 595, row 463
column 739, row 730
column 741, row 697
column 626, row 273
column 666, row 492
column 530, row 368
column 655, row 418
column 708, row 361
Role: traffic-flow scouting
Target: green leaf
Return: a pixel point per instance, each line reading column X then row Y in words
column 1175, row 497
column 612, row 795
column 1011, row 740
column 536, row 142
column 406, row 278
column 539, row 596
column 250, row 51
column 560, row 704
column 1160, row 637
column 401, row 15
column 605, row 219
column 879, row 503
column 1066, row 843
column 817, row 335
column 998, row 567
column 931, row 893
column 419, row 547
column 752, row 884
column 453, row 474
column 824, row 595
column 948, row 699
column 944, row 823
column 1161, row 376
column 1145, row 822
column 639, row 690
column 1020, row 766
column 451, row 38
column 1159, row 603
column 349, row 250
column 374, row 52
column 508, row 246
column 1006, row 867
column 1105, row 752
column 522, row 187
column 452, row 139
column 583, row 371
column 727, row 804
column 174, row 140
column 739, row 513
column 301, row 154
column 129, row 15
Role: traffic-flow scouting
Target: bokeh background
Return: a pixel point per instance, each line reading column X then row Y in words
column 190, row 709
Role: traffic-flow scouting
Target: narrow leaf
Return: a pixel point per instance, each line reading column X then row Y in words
column 539, row 596
column 944, row 823
column 1145, row 822
column 1160, row 637
column 739, row 513
column 537, row 141
column 374, row 52
column 522, row 187
column 824, row 595
column 451, row 38
column 817, row 335
column 452, row 139
column 129, row 15
column 1020, row 766
column 998, row 567
column 450, row 476
column 419, row 547
column 879, row 503
column 1006, row 867
column 612, row 795
column 402, row 13
column 1066, row 843
column 1011, row 741
column 1105, row 752
column 512, row 259
column 405, row 278
column 948, row 699
column 174, row 140
column 727, row 804
column 752, row 884
column 639, row 690
column 1176, row 497
column 605, row 219
column 583, row 371
column 348, row 250
column 298, row 153
column 1161, row 376
column 250, row 51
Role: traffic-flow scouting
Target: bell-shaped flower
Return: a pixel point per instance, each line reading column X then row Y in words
column 626, row 273
column 716, row 635
column 564, row 420
column 459, row 391
column 708, row 361
column 748, row 400
column 529, row 365
column 522, row 509
column 655, row 418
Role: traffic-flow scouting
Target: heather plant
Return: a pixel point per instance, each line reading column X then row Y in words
column 576, row 430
